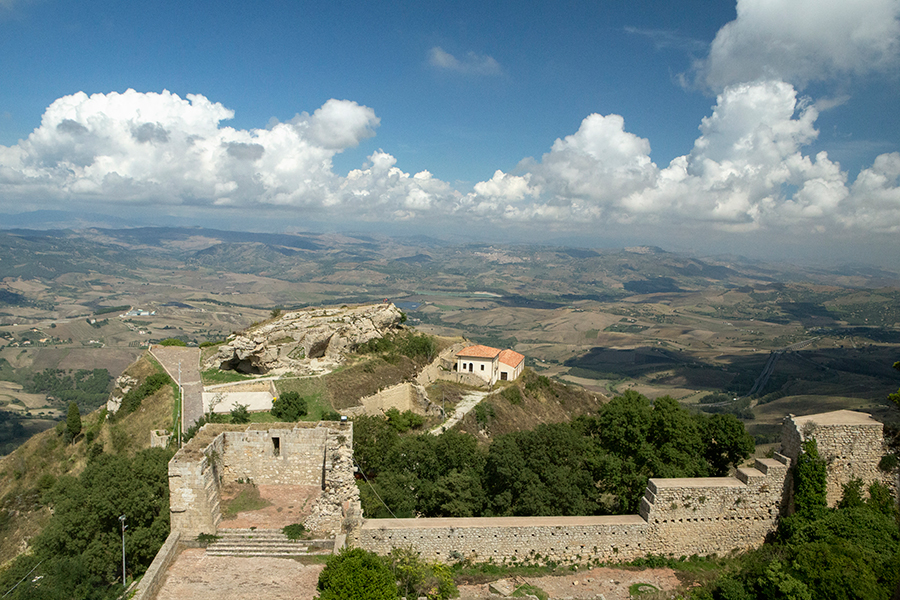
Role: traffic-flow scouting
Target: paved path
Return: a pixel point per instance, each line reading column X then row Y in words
column 467, row 403
column 189, row 359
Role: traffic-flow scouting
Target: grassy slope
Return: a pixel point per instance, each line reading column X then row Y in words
column 36, row 464
column 543, row 400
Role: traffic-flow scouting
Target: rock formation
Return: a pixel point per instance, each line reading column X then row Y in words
column 296, row 339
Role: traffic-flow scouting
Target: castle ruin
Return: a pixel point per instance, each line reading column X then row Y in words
column 676, row 517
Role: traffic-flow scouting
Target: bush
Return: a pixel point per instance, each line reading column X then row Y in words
column 331, row 415
column 132, row 400
column 295, row 531
column 402, row 422
column 289, row 406
column 513, row 394
column 418, row 579
column 172, row 342
column 240, row 414
column 356, row 574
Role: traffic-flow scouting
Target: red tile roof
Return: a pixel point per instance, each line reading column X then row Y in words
column 478, row 352
column 511, row 358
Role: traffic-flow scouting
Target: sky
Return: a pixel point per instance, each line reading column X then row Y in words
column 768, row 128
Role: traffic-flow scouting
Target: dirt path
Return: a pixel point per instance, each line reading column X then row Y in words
column 288, row 504
column 467, row 403
column 611, row 584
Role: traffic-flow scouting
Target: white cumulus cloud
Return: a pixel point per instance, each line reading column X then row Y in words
column 160, row 148
column 746, row 172
column 804, row 40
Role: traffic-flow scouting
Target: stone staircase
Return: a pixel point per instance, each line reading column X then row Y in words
column 264, row 542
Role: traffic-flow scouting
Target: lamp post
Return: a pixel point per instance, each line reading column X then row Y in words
column 124, row 527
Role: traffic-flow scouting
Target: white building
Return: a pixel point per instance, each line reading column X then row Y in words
column 490, row 364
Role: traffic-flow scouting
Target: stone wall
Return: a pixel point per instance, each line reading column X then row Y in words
column 195, row 474
column 569, row 539
column 678, row 516
column 153, row 579
column 715, row 514
column 852, row 443
column 270, row 454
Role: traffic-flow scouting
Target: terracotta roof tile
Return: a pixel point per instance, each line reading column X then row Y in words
column 511, row 358
column 479, row 351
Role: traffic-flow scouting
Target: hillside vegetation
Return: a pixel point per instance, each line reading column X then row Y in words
column 29, row 475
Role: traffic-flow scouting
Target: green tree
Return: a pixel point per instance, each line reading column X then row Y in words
column 73, row 421
column 727, row 443
column 172, row 342
column 289, row 406
column 355, row 574
column 78, row 554
column 240, row 414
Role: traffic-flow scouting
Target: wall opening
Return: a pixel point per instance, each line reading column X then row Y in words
column 276, row 446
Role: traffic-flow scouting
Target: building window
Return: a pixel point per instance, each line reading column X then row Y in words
column 482, row 367
column 503, row 375
column 276, row 446
column 471, row 367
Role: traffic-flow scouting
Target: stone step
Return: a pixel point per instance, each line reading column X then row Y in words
column 262, row 542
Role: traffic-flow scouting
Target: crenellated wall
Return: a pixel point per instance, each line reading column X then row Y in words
column 678, row 516
column 852, row 444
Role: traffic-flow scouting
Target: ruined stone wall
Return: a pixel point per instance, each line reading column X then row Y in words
column 402, row 396
column 304, row 454
column 194, row 484
column 678, row 516
column 280, row 454
column 851, row 443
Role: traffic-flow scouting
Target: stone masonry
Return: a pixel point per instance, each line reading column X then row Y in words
column 852, row 443
column 677, row 516
column 270, row 454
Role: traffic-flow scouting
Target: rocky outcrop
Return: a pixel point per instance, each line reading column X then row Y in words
column 298, row 339
column 124, row 383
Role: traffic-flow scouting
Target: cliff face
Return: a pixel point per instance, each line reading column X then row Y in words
column 294, row 341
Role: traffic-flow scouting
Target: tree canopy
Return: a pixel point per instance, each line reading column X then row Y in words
column 591, row 465
column 79, row 553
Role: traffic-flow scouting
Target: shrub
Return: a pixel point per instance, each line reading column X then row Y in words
column 289, row 406
column 295, row 531
column 240, row 414
column 513, row 394
column 132, row 400
column 356, row 574
column 172, row 342
column 402, row 422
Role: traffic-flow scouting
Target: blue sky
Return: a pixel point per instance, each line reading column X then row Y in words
column 690, row 125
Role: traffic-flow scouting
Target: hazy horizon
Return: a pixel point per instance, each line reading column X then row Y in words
column 761, row 129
